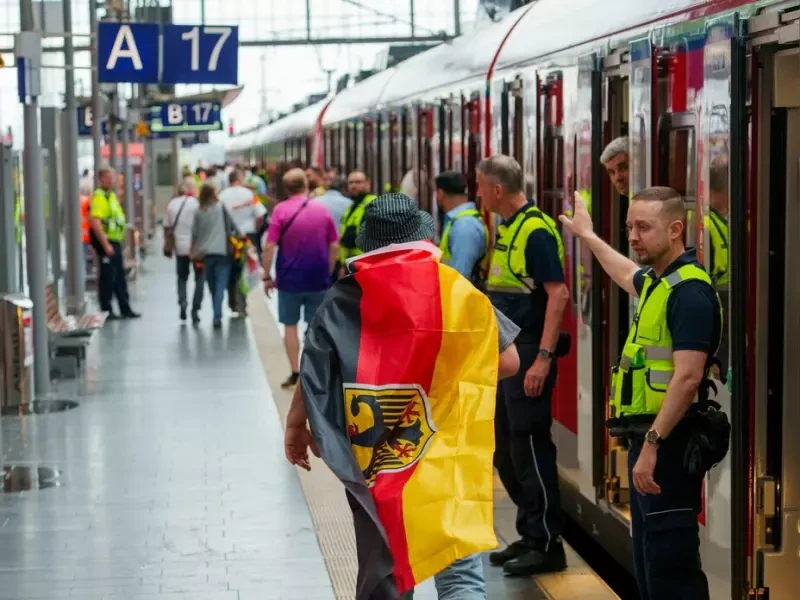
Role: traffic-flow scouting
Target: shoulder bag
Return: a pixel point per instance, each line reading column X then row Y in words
column 169, row 232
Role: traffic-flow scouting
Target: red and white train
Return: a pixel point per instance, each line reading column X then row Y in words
column 692, row 83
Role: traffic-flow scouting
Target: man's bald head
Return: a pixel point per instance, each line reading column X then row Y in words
column 295, row 181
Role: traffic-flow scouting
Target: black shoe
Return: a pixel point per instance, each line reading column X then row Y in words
column 508, row 553
column 112, row 316
column 291, row 382
column 217, row 324
column 195, row 317
column 183, row 313
column 536, row 561
column 131, row 315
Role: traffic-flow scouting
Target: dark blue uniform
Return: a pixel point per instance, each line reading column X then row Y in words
column 665, row 532
column 525, row 455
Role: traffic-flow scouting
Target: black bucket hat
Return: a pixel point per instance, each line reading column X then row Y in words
column 394, row 219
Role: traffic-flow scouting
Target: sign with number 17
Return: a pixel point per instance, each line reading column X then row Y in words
column 200, row 54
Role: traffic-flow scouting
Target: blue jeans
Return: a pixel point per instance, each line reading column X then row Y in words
column 463, row 580
column 217, row 268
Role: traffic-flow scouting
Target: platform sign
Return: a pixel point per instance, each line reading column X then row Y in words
column 85, row 121
column 128, row 52
column 200, row 54
column 180, row 117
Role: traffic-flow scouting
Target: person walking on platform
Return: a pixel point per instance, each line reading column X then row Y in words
column 526, row 283
column 664, row 366
column 358, row 186
column 304, row 234
column 108, row 228
column 178, row 223
column 247, row 213
column 465, row 238
column 387, row 355
column 210, row 232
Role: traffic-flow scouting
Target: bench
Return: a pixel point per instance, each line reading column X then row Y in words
column 69, row 337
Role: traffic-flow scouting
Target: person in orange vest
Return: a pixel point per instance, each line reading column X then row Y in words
column 86, row 202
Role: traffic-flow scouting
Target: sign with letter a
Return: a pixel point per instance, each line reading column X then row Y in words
column 128, row 52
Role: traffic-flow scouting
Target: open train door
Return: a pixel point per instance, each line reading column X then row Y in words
column 769, row 474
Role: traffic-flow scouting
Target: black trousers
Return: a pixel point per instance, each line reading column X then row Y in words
column 525, row 455
column 666, row 541
column 112, row 281
column 183, row 265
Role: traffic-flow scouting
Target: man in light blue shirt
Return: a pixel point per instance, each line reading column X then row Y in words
column 335, row 201
column 464, row 235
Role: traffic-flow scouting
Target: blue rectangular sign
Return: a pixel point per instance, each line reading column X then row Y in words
column 177, row 117
column 128, row 52
column 201, row 54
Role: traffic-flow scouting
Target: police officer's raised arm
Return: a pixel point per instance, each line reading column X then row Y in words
column 620, row 268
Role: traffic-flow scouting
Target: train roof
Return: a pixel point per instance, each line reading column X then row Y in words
column 360, row 98
column 297, row 124
column 552, row 26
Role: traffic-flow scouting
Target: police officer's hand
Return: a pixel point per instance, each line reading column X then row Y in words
column 536, row 376
column 644, row 470
column 109, row 250
column 580, row 225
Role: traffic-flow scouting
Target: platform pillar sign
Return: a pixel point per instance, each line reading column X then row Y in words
column 128, row 52
column 200, row 54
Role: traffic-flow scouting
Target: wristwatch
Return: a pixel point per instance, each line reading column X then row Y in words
column 652, row 437
column 544, row 353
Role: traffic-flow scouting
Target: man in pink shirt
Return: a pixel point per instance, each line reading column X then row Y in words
column 305, row 235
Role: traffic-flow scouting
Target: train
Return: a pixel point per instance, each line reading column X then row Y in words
column 695, row 85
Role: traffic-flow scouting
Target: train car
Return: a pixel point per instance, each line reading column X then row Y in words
column 707, row 92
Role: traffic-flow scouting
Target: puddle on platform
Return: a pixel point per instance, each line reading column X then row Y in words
column 39, row 407
column 22, row 479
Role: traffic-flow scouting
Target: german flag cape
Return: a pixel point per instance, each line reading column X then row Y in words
column 399, row 375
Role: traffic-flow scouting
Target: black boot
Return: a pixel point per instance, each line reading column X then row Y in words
column 538, row 560
column 508, row 553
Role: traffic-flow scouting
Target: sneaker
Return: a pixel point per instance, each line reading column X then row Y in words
column 195, row 317
column 291, row 382
column 183, row 313
column 217, row 324
column 536, row 561
column 510, row 552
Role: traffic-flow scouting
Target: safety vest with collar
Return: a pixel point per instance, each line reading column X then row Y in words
column 444, row 243
column 509, row 270
column 717, row 228
column 106, row 207
column 351, row 223
column 639, row 382
column 85, row 223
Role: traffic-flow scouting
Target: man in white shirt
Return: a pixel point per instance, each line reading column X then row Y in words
column 179, row 218
column 247, row 213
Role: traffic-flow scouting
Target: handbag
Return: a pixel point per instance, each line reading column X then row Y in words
column 235, row 239
column 169, row 232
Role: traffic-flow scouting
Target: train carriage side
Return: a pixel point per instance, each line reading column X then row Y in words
column 707, row 94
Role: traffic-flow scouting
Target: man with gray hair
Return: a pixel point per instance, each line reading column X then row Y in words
column 615, row 159
column 178, row 222
column 526, row 283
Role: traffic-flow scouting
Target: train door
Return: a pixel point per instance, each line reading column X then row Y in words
column 391, row 154
column 473, row 153
column 552, row 140
column 423, row 134
column 610, row 304
column 773, row 485
column 530, row 131
column 457, row 133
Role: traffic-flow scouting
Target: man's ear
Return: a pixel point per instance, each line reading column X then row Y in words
column 676, row 229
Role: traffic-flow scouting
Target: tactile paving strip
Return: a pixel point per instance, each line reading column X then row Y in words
column 324, row 493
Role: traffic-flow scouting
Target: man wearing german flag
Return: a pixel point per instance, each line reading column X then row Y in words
column 397, row 395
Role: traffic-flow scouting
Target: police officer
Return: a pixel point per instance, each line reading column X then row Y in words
column 664, row 364
column 358, row 186
column 465, row 237
column 108, row 227
column 526, row 283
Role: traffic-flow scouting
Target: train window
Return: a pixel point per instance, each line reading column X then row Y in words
column 677, row 164
column 391, row 152
column 519, row 129
column 473, row 145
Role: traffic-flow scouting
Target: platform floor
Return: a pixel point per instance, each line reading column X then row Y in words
column 168, row 481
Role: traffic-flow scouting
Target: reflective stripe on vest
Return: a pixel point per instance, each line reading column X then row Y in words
column 509, row 272
column 718, row 236
column 640, row 380
column 114, row 223
column 444, row 244
column 351, row 223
